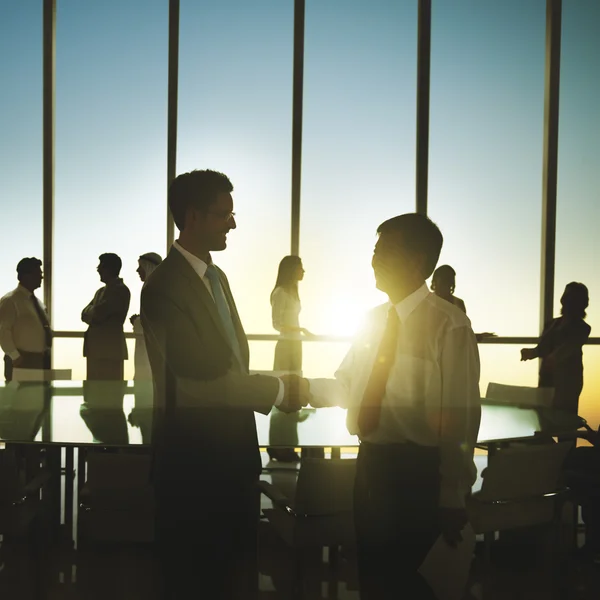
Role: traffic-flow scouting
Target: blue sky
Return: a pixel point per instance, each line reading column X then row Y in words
column 235, row 106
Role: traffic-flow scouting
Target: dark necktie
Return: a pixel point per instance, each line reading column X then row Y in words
column 370, row 408
column 224, row 313
column 44, row 320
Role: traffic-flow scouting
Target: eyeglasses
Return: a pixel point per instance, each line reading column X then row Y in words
column 227, row 216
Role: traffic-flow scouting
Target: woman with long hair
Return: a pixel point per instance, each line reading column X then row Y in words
column 285, row 309
column 561, row 349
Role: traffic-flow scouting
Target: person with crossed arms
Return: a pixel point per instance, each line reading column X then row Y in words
column 411, row 385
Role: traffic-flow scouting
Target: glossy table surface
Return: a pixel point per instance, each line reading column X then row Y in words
column 120, row 414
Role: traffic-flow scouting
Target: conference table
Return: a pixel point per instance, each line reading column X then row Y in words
column 62, row 416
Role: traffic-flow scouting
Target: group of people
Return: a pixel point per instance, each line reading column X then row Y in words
column 26, row 335
column 410, row 383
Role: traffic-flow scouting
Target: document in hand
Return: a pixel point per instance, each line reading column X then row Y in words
column 446, row 569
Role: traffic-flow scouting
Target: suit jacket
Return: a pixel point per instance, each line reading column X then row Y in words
column 204, row 427
column 105, row 315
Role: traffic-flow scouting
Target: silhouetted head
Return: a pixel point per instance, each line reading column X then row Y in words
column 289, row 274
column 443, row 281
column 575, row 300
column 147, row 263
column 406, row 253
column 29, row 273
column 109, row 267
column 202, row 207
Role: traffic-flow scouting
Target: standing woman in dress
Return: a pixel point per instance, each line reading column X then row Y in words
column 561, row 349
column 285, row 307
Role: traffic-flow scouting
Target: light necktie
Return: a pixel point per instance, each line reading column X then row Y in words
column 370, row 408
column 224, row 312
column 44, row 320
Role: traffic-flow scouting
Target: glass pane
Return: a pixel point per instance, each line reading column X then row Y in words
column 67, row 353
column 589, row 408
column 111, row 89
column 578, row 210
column 321, row 359
column 487, row 102
column 502, row 364
column 235, row 110
column 21, row 136
column 261, row 355
column 358, row 154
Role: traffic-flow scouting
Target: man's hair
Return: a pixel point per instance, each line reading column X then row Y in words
column 197, row 189
column 419, row 235
column 26, row 266
column 111, row 261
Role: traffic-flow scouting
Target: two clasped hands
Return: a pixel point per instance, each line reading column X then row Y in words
column 296, row 393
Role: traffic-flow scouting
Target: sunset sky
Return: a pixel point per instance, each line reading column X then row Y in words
column 358, row 162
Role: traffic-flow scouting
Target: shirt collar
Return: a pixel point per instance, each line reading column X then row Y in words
column 23, row 290
column 196, row 263
column 405, row 307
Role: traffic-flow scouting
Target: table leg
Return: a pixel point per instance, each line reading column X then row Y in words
column 68, row 499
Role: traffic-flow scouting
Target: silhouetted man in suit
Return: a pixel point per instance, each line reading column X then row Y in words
column 206, row 458
column 104, row 341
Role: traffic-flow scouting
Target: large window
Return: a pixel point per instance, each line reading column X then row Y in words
column 235, row 111
column 111, row 82
column 485, row 179
column 578, row 202
column 20, row 135
column 358, row 159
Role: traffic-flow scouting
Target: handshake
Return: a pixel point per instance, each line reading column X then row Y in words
column 296, row 393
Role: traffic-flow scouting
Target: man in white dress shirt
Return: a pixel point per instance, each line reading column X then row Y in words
column 25, row 334
column 411, row 385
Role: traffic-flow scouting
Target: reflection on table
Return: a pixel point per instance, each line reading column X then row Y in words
column 75, row 413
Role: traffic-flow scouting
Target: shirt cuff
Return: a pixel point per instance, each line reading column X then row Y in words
column 279, row 398
column 14, row 354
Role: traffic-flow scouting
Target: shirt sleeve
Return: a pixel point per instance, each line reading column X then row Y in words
column 334, row 392
column 458, row 416
column 8, row 316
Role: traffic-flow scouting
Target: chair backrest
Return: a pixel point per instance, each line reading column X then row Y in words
column 117, row 470
column 519, row 395
column 523, row 471
column 325, row 487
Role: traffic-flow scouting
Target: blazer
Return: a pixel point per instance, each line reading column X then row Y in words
column 105, row 315
column 204, row 423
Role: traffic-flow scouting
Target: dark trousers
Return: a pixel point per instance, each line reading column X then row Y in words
column 207, row 544
column 396, row 517
column 103, row 369
column 31, row 360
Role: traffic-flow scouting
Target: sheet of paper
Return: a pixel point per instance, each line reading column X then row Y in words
column 446, row 569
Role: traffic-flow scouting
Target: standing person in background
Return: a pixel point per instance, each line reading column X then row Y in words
column 443, row 284
column 285, row 310
column 561, row 349
column 142, row 375
column 146, row 264
column 104, row 341
column 25, row 334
